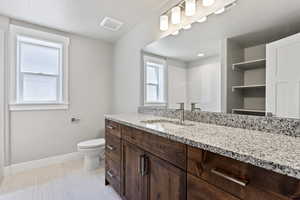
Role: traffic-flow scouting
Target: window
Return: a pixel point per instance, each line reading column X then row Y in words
column 40, row 70
column 155, row 80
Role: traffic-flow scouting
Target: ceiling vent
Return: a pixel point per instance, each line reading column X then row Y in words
column 111, row 24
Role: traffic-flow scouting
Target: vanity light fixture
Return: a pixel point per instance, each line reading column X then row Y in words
column 185, row 13
column 201, row 54
column 190, row 7
column 207, row 3
column 203, row 19
column 176, row 15
column 164, row 22
column 220, row 11
column 187, row 27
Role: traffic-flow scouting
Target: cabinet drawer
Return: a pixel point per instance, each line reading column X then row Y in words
column 113, row 147
column 166, row 149
column 198, row 189
column 225, row 173
column 238, row 178
column 228, row 174
column 268, row 182
column 259, row 194
column 112, row 173
column 112, row 128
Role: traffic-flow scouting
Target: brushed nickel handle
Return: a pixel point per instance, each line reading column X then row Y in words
column 109, row 173
column 110, row 127
column 143, row 167
column 109, row 147
column 240, row 182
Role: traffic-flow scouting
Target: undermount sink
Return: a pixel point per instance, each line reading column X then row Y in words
column 165, row 121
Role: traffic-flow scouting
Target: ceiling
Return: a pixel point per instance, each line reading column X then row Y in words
column 251, row 22
column 81, row 16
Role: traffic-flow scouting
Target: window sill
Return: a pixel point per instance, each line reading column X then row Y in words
column 36, row 107
column 155, row 104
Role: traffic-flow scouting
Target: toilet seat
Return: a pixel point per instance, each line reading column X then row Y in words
column 91, row 144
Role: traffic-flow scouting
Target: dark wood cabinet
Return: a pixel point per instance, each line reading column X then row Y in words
column 144, row 166
column 132, row 179
column 147, row 177
column 163, row 180
column 113, row 155
column 198, row 189
column 171, row 151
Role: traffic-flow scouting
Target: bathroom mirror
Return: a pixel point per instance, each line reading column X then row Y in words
column 225, row 65
column 191, row 78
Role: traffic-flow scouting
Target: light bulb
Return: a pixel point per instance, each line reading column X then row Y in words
column 187, row 27
column 176, row 15
column 207, row 3
column 220, row 11
column 190, row 7
column 201, row 54
column 164, row 22
column 203, row 19
column 175, row 33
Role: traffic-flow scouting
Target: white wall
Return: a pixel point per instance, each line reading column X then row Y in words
column 177, row 83
column 3, row 30
column 127, row 68
column 204, row 84
column 39, row 134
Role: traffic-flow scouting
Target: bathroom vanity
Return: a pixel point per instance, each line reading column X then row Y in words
column 150, row 157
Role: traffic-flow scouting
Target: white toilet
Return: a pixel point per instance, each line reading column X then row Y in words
column 92, row 150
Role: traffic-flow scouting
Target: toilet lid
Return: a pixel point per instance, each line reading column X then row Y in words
column 92, row 143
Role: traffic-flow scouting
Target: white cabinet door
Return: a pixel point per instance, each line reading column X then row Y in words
column 283, row 77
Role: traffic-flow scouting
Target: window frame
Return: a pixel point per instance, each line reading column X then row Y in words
column 162, row 62
column 20, row 35
column 20, row 74
column 157, row 85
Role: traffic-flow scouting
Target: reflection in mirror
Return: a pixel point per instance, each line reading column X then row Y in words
column 229, row 63
column 193, row 75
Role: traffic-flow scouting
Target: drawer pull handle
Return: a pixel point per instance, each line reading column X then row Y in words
column 110, row 127
column 143, row 165
column 109, row 147
column 240, row 182
column 109, row 173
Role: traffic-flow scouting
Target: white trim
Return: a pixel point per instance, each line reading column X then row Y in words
column 63, row 102
column 2, row 100
column 28, row 107
column 163, row 62
column 20, row 167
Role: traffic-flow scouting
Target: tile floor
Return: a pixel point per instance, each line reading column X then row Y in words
column 65, row 181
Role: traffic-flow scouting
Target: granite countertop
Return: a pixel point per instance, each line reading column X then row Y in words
column 278, row 153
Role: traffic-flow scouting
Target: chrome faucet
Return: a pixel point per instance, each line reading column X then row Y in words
column 194, row 108
column 298, row 129
column 181, row 110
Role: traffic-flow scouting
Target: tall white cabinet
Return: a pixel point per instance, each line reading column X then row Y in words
column 283, row 77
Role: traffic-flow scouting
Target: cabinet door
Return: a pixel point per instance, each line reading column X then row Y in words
column 132, row 186
column 163, row 180
column 283, row 80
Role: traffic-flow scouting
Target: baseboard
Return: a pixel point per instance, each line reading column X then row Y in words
column 20, row 167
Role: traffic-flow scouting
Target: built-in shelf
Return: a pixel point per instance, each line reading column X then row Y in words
column 248, row 86
column 252, row 64
column 249, row 111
